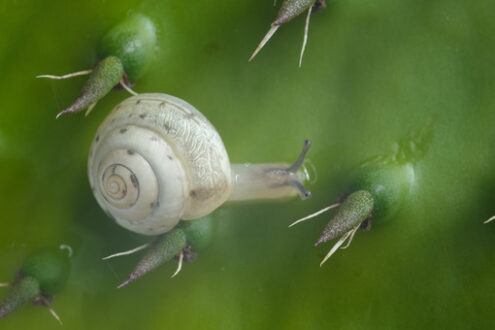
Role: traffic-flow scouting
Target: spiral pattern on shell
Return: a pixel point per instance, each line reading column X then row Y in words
column 156, row 160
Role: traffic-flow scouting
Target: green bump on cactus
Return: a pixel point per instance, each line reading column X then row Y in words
column 389, row 184
column 126, row 52
column 188, row 236
column 23, row 290
column 42, row 274
column 356, row 208
column 288, row 11
column 198, row 232
column 378, row 191
column 133, row 41
column 163, row 249
column 50, row 267
column 104, row 77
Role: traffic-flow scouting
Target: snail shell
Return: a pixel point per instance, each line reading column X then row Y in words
column 156, row 160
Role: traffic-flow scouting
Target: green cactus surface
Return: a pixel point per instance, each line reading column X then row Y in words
column 373, row 73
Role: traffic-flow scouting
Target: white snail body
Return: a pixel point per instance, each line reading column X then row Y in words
column 157, row 160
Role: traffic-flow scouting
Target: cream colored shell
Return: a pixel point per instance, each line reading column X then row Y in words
column 156, row 160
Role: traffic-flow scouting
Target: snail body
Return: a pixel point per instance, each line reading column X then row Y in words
column 157, row 160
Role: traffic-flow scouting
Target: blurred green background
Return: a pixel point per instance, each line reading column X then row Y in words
column 374, row 71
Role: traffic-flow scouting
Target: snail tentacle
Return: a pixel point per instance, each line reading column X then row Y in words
column 303, row 192
column 300, row 159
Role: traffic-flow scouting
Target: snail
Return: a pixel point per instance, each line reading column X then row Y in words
column 289, row 10
column 156, row 160
column 43, row 274
column 125, row 53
